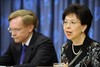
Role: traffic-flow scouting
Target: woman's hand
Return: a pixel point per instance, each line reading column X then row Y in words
column 60, row 65
column 65, row 65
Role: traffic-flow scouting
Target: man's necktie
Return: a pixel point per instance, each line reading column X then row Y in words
column 23, row 54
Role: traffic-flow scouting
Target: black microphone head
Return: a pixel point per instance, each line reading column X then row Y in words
column 70, row 42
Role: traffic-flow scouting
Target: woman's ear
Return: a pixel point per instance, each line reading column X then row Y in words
column 84, row 28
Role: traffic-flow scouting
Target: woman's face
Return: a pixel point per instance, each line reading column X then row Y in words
column 72, row 27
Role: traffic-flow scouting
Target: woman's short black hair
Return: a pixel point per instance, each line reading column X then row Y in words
column 82, row 13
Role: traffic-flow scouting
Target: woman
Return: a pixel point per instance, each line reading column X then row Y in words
column 80, row 50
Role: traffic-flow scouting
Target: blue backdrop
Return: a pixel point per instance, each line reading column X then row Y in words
column 49, row 13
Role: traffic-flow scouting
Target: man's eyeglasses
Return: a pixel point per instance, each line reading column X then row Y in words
column 14, row 30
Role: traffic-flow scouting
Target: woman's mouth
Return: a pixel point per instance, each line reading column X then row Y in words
column 68, row 32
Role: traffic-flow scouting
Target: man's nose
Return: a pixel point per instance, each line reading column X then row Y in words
column 13, row 34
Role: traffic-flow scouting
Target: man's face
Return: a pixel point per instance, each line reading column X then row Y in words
column 19, row 32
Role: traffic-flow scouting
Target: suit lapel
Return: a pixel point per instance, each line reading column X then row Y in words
column 28, row 53
column 30, row 48
column 18, row 52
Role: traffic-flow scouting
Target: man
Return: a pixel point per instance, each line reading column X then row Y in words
column 39, row 49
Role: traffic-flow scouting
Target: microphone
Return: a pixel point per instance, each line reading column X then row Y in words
column 64, row 47
column 67, row 44
column 70, row 42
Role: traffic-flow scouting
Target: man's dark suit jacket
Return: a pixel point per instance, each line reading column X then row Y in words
column 40, row 52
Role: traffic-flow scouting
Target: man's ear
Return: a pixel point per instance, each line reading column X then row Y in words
column 31, row 28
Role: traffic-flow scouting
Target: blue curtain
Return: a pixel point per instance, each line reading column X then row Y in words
column 49, row 13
